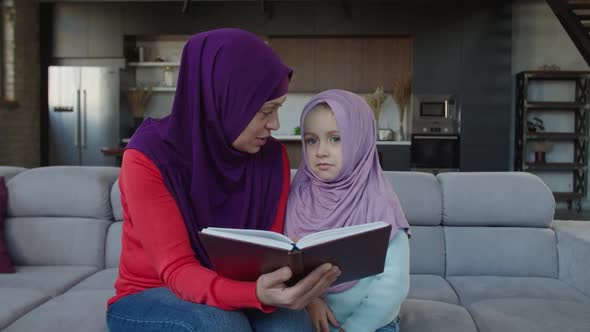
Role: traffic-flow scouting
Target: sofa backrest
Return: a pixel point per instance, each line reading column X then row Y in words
column 494, row 223
column 59, row 215
column 421, row 199
column 8, row 172
column 498, row 224
column 115, row 232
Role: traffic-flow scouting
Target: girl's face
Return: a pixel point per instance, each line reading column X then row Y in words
column 323, row 148
column 256, row 133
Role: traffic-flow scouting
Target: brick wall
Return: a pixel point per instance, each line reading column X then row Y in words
column 19, row 127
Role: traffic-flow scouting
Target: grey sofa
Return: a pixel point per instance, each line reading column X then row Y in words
column 485, row 253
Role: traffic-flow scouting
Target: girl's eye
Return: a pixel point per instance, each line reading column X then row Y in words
column 267, row 113
column 310, row 141
column 335, row 139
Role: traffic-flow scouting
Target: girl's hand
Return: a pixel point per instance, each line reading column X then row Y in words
column 320, row 314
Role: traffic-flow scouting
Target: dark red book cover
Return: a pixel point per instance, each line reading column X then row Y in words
column 358, row 256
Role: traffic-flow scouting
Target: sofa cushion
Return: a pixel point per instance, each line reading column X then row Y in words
column 113, row 245
column 427, row 250
column 8, row 172
column 5, row 261
column 496, row 199
column 530, row 315
column 104, row 279
column 63, row 191
column 419, row 195
column 52, row 280
column 431, row 287
column 424, row 315
column 15, row 302
column 501, row 251
column 56, row 240
column 116, row 202
column 573, row 246
column 474, row 289
column 72, row 311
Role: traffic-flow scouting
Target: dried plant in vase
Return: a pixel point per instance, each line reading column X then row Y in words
column 375, row 100
column 138, row 99
column 402, row 90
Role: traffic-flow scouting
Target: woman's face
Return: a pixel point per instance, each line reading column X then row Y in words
column 256, row 133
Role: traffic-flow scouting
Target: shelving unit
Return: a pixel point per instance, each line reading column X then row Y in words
column 161, row 53
column 153, row 64
column 578, row 167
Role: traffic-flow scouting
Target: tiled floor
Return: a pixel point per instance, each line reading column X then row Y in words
column 572, row 215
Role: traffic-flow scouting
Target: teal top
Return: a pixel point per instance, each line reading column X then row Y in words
column 375, row 301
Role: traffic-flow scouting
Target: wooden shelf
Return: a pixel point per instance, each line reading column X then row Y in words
column 554, row 167
column 561, row 75
column 154, row 64
column 159, row 89
column 555, row 136
column 554, row 106
column 565, row 196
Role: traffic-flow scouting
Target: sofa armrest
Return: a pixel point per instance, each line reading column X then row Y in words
column 573, row 248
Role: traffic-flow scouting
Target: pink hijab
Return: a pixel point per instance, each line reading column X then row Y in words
column 359, row 194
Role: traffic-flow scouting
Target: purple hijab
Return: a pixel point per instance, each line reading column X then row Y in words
column 359, row 194
column 225, row 77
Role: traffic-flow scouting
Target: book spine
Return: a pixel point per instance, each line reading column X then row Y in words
column 296, row 265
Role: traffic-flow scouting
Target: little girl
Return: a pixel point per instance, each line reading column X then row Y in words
column 340, row 183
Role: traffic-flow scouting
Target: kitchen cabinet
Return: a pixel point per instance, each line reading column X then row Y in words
column 338, row 63
column 393, row 156
column 88, row 30
column 384, row 60
column 298, row 53
column 357, row 64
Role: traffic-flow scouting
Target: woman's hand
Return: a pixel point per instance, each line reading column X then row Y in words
column 271, row 289
column 320, row 314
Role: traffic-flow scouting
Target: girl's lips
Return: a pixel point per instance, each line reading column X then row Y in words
column 324, row 167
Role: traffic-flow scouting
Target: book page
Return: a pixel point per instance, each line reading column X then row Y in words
column 268, row 238
column 337, row 233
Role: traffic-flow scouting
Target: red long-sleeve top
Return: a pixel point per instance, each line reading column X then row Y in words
column 156, row 249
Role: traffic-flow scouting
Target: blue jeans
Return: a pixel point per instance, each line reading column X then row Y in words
column 158, row 309
column 391, row 327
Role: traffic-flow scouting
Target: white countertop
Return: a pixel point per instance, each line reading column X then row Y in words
column 298, row 138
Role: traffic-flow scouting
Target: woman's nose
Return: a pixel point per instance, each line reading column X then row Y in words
column 273, row 123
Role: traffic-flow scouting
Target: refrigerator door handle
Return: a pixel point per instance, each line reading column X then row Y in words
column 77, row 124
column 83, row 124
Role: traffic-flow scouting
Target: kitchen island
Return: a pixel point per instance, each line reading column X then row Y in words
column 393, row 155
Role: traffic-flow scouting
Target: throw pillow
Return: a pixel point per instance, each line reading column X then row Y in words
column 5, row 262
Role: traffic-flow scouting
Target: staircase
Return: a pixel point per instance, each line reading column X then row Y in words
column 574, row 15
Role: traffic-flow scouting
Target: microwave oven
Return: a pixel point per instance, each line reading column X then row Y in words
column 435, row 114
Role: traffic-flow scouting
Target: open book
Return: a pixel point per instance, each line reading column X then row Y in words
column 242, row 254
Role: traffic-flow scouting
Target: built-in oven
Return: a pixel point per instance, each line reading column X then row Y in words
column 435, row 133
column 435, row 153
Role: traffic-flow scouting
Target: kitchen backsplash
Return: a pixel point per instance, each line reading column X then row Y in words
column 289, row 115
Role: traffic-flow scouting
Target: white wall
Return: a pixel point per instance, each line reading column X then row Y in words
column 539, row 39
column 290, row 113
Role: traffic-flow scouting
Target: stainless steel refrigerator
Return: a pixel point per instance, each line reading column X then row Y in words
column 83, row 115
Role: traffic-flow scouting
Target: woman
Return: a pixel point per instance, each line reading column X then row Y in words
column 211, row 162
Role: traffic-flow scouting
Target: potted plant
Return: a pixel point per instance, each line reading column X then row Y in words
column 540, row 147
